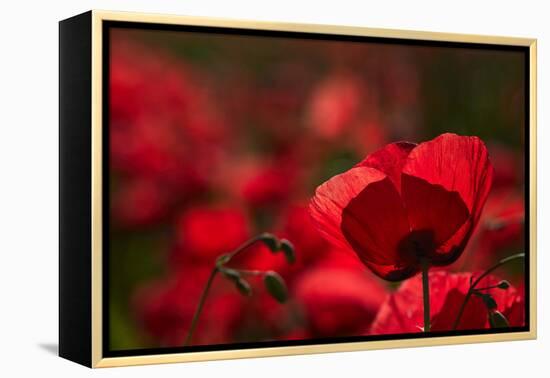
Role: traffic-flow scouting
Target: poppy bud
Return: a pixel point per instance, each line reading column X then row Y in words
column 270, row 241
column 503, row 285
column 288, row 249
column 489, row 301
column 244, row 287
column 498, row 320
column 276, row 286
column 231, row 274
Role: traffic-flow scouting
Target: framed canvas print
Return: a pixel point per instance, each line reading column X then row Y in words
column 236, row 189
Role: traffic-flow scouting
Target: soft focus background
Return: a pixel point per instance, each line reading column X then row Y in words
column 215, row 138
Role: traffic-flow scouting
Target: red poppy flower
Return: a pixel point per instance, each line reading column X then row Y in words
column 402, row 311
column 407, row 202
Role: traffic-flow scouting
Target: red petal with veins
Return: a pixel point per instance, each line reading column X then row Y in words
column 405, row 202
column 457, row 164
column 390, row 160
column 435, row 214
column 332, row 197
column 375, row 222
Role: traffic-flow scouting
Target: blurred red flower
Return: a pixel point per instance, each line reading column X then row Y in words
column 334, row 104
column 508, row 166
column 503, row 217
column 139, row 203
column 407, row 202
column 298, row 227
column 501, row 226
column 402, row 311
column 264, row 317
column 342, row 259
column 338, row 302
column 164, row 309
column 165, row 131
column 270, row 185
column 260, row 257
column 500, row 229
column 205, row 232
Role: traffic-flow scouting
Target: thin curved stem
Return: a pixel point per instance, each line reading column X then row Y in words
column 244, row 246
column 487, row 287
column 478, row 280
column 426, row 293
column 216, row 269
column 248, row 272
column 200, row 306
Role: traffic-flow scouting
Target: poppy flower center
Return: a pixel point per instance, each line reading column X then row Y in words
column 418, row 244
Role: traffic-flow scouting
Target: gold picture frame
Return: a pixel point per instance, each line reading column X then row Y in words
column 92, row 25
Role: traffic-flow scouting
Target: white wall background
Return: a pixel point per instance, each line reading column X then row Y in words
column 29, row 173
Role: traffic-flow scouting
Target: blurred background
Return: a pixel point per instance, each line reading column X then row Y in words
column 215, row 138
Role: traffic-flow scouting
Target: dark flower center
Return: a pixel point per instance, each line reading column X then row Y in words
column 418, row 244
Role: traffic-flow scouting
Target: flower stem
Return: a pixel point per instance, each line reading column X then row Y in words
column 248, row 272
column 472, row 288
column 426, row 293
column 200, row 306
column 244, row 246
column 216, row 269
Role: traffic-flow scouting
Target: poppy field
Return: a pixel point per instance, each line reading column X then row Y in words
column 276, row 188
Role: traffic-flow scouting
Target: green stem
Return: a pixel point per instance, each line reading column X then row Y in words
column 426, row 293
column 216, row 269
column 462, row 307
column 200, row 306
column 243, row 246
column 248, row 272
column 478, row 280
column 487, row 287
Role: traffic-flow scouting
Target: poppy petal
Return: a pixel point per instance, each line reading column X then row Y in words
column 451, row 250
column 390, row 160
column 375, row 223
column 456, row 164
column 402, row 311
column 393, row 273
column 333, row 196
column 435, row 214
